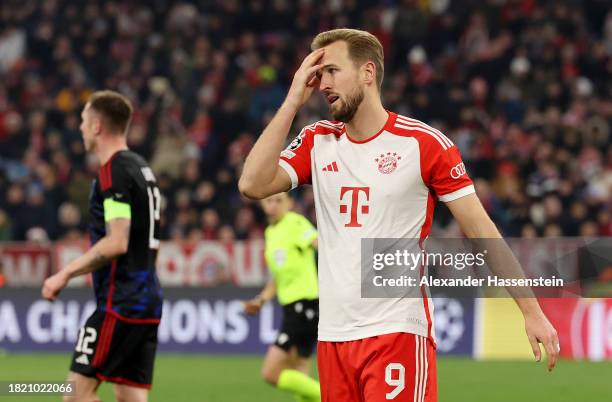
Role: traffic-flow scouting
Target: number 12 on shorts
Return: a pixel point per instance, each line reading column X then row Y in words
column 395, row 375
column 87, row 336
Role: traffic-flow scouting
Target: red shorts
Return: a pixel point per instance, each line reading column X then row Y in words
column 395, row 367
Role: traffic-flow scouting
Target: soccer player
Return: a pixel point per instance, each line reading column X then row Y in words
column 119, row 340
column 290, row 243
column 375, row 174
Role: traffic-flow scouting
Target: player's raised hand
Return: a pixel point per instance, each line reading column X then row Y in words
column 252, row 307
column 540, row 330
column 305, row 79
column 53, row 285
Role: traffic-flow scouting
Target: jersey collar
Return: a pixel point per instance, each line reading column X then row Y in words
column 388, row 124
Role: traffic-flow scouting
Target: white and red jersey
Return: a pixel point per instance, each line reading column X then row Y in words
column 383, row 187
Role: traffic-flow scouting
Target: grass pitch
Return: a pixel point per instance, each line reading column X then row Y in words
column 189, row 378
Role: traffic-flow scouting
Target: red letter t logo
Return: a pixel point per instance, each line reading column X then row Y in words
column 354, row 201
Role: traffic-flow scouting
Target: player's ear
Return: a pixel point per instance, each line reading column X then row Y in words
column 368, row 71
column 96, row 123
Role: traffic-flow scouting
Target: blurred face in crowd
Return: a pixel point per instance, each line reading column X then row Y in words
column 276, row 206
column 340, row 82
column 90, row 127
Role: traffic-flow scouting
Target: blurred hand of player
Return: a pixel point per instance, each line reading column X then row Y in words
column 540, row 330
column 53, row 285
column 305, row 79
column 252, row 306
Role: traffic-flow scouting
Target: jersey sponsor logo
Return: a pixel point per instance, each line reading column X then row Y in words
column 355, row 208
column 287, row 154
column 296, row 143
column 387, row 163
column 458, row 170
column 332, row 167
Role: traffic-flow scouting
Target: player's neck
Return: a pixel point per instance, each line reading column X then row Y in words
column 110, row 146
column 275, row 220
column 369, row 119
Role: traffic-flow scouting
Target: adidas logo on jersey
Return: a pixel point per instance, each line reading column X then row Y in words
column 83, row 359
column 332, row 167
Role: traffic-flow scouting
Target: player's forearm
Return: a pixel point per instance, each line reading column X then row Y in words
column 528, row 306
column 503, row 263
column 262, row 162
column 100, row 255
column 268, row 292
column 478, row 226
column 500, row 258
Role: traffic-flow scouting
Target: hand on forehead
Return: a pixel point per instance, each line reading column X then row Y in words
column 335, row 53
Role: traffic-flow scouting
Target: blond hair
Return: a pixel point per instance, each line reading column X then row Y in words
column 362, row 47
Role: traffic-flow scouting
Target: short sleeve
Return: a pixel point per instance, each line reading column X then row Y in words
column 447, row 175
column 305, row 232
column 295, row 159
column 115, row 185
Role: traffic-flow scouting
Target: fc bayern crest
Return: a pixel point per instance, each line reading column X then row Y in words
column 387, row 163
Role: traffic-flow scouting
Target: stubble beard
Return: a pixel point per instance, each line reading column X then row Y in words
column 349, row 106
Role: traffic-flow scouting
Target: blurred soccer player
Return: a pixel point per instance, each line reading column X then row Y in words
column 375, row 174
column 119, row 340
column 290, row 243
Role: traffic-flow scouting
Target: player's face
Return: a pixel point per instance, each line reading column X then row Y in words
column 340, row 82
column 276, row 206
column 89, row 127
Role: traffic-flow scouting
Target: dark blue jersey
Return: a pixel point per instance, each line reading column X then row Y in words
column 128, row 286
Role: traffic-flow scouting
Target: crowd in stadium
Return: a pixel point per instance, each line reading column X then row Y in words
column 521, row 86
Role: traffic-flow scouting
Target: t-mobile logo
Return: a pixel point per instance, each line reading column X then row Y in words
column 354, row 202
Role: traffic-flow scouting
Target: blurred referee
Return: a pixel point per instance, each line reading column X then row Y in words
column 291, row 241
